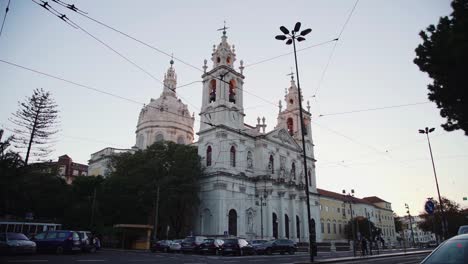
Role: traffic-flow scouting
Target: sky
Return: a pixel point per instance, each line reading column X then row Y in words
column 374, row 152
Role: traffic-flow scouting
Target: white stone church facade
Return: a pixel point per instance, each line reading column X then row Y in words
column 254, row 185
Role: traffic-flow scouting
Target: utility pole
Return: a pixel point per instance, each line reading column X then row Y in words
column 411, row 223
column 156, row 213
column 350, row 195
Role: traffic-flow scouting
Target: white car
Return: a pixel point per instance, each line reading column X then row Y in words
column 175, row 246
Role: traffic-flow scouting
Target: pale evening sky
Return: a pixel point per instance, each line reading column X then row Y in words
column 374, row 152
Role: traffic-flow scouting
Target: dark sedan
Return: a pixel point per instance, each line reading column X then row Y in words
column 16, row 243
column 161, row 245
column 277, row 246
column 58, row 241
column 237, row 246
column 211, row 246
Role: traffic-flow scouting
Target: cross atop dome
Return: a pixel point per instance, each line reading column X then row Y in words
column 223, row 28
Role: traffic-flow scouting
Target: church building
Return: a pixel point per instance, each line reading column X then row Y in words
column 254, row 185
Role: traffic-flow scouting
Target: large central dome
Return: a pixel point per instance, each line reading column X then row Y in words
column 165, row 118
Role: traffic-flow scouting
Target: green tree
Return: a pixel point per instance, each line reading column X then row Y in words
column 455, row 218
column 365, row 227
column 444, row 56
column 129, row 194
column 398, row 223
column 36, row 121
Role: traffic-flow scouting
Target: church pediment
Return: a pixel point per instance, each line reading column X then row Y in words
column 281, row 135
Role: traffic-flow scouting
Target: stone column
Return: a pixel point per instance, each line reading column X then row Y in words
column 305, row 221
column 281, row 220
column 292, row 218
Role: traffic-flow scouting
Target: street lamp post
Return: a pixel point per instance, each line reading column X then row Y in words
column 444, row 219
column 291, row 38
column 349, row 196
column 410, row 222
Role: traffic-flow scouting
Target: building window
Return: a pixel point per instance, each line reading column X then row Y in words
column 338, row 210
column 159, row 137
column 339, row 228
column 180, row 140
column 293, row 171
column 334, row 228
column 208, row 156
column 212, row 91
column 323, row 227
column 233, row 156
column 310, row 177
column 328, row 228
column 290, row 126
column 271, row 165
column 232, row 91
column 305, row 127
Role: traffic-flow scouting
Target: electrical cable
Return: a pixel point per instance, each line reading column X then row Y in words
column 373, row 109
column 333, row 50
column 5, row 16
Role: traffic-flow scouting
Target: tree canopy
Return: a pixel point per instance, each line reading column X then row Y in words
column 443, row 55
column 454, row 216
column 36, row 121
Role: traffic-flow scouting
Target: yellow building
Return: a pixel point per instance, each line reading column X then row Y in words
column 335, row 213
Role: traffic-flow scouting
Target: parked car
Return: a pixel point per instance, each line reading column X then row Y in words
column 161, row 245
column 175, row 245
column 453, row 251
column 191, row 243
column 237, row 246
column 463, row 230
column 211, row 246
column 258, row 242
column 58, row 241
column 87, row 241
column 16, row 243
column 279, row 245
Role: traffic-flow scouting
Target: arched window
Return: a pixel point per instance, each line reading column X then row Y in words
column 286, row 225
column 208, row 156
column 298, row 227
column 290, row 126
column 271, row 165
column 212, row 92
column 233, row 156
column 309, row 174
column 159, row 137
column 228, row 60
column 180, row 140
column 275, row 225
column 232, row 222
column 232, row 91
column 305, row 127
column 293, row 171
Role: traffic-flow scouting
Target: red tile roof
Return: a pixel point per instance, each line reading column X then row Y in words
column 374, row 199
column 341, row 197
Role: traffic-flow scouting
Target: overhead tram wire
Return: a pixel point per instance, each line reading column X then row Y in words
column 333, row 50
column 372, row 109
column 84, row 14
column 67, row 20
column 93, row 89
column 5, row 16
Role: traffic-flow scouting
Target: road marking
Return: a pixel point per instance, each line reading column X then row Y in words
column 27, row 260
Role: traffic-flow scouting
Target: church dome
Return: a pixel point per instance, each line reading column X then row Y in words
column 165, row 118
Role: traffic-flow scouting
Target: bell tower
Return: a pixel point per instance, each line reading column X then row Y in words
column 289, row 119
column 222, row 100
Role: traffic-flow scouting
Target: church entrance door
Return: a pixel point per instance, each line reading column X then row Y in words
column 232, row 223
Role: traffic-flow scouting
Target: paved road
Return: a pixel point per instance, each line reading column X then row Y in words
column 108, row 256
column 409, row 259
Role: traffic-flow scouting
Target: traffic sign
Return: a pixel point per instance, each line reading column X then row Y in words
column 429, row 207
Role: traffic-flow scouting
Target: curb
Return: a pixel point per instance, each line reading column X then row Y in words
column 357, row 259
column 125, row 250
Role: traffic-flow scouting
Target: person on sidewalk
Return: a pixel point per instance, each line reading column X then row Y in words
column 364, row 246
